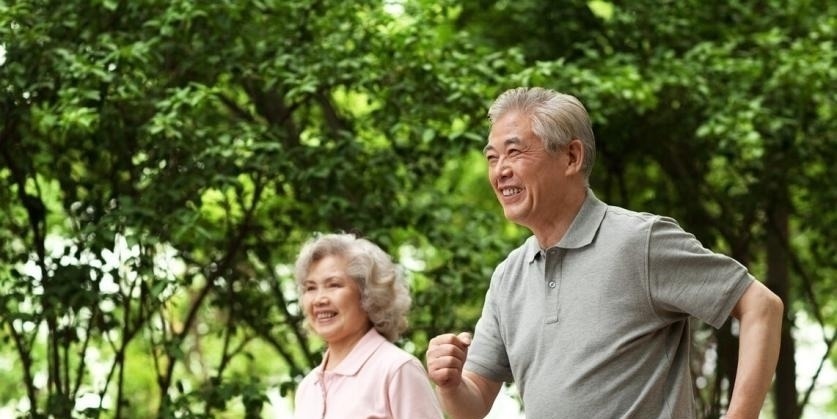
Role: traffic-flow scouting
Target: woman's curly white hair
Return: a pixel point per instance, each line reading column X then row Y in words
column 385, row 295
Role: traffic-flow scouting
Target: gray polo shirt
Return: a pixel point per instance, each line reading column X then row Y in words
column 598, row 325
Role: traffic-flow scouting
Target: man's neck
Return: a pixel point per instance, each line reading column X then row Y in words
column 551, row 233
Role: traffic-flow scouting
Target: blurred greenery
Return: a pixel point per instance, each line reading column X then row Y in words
column 162, row 161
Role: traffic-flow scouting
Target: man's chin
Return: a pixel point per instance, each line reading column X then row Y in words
column 512, row 215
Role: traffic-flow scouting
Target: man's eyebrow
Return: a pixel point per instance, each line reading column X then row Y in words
column 510, row 141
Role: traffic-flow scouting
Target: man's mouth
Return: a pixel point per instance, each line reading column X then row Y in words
column 510, row 191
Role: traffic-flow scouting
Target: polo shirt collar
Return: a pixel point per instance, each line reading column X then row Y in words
column 363, row 350
column 586, row 223
column 582, row 231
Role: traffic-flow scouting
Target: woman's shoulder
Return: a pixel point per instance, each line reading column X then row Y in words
column 393, row 357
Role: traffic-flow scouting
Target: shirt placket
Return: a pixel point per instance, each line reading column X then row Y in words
column 552, row 282
column 322, row 386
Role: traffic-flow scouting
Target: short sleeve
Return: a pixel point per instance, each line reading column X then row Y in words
column 411, row 394
column 686, row 278
column 487, row 355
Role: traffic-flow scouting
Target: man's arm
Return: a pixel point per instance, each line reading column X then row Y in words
column 472, row 398
column 463, row 394
column 759, row 312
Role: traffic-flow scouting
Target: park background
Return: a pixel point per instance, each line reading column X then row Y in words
column 161, row 161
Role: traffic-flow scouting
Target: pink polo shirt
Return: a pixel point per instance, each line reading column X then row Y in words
column 376, row 380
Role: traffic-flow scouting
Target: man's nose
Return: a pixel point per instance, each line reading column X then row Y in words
column 502, row 169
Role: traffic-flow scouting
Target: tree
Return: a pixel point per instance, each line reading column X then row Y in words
column 163, row 161
column 218, row 137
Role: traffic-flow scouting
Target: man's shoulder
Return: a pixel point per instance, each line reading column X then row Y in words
column 629, row 220
column 624, row 214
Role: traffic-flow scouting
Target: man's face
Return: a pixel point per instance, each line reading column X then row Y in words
column 528, row 181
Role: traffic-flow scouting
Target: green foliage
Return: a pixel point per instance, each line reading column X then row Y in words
column 162, row 161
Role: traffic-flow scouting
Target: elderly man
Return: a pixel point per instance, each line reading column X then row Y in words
column 590, row 316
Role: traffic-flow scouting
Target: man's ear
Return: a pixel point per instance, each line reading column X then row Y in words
column 575, row 156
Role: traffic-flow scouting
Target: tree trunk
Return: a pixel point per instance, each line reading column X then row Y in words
column 778, row 280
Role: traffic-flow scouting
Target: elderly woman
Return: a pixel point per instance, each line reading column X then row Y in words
column 355, row 298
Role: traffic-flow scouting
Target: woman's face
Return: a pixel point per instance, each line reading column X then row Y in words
column 331, row 301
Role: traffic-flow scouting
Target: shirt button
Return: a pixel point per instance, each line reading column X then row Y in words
column 551, row 284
